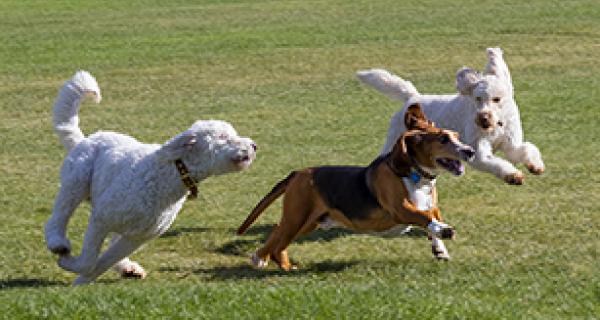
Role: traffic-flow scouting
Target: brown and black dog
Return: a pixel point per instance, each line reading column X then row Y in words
column 372, row 198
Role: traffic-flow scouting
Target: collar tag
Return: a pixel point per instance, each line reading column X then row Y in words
column 415, row 177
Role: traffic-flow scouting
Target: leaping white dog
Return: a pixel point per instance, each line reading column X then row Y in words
column 484, row 113
column 135, row 189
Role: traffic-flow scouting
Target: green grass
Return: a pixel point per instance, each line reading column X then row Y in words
column 283, row 73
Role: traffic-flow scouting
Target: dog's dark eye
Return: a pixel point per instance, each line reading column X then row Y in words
column 496, row 100
column 444, row 139
column 478, row 99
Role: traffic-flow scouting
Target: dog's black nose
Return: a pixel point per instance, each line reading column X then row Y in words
column 254, row 146
column 469, row 153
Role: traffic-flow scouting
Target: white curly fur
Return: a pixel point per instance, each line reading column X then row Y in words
column 476, row 97
column 134, row 188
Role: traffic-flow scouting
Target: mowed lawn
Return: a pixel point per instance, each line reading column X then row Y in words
column 282, row 72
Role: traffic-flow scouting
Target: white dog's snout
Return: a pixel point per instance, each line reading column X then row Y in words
column 467, row 153
column 248, row 145
column 246, row 152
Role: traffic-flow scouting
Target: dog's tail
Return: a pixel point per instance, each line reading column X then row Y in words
column 391, row 85
column 277, row 191
column 66, row 107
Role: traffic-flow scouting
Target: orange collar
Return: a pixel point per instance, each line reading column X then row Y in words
column 187, row 179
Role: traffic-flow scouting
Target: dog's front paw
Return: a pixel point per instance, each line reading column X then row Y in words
column 440, row 230
column 440, row 254
column 133, row 270
column 516, row 178
column 537, row 170
column 59, row 246
column 447, row 233
column 439, row 249
column 69, row 263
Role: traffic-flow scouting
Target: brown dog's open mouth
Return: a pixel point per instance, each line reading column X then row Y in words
column 454, row 166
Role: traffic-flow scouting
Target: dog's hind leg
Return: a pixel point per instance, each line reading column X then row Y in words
column 297, row 208
column 127, row 268
column 281, row 237
column 117, row 251
column 67, row 200
column 74, row 188
column 279, row 253
column 301, row 212
column 92, row 243
column 274, row 248
column 260, row 258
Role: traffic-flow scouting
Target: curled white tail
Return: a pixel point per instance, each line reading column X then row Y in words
column 66, row 107
column 391, row 85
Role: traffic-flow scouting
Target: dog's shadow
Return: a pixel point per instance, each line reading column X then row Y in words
column 176, row 232
column 317, row 235
column 29, row 283
column 247, row 272
column 243, row 246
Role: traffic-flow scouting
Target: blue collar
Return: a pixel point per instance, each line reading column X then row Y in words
column 416, row 174
column 414, row 177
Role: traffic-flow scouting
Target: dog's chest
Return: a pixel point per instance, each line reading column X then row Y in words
column 420, row 193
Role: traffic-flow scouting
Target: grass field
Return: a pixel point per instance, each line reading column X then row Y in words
column 283, row 73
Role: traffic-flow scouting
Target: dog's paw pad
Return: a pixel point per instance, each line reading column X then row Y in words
column 535, row 169
column 516, row 178
column 60, row 250
column 447, row 233
column 60, row 247
column 258, row 262
column 69, row 263
column 289, row 267
column 134, row 271
column 442, row 256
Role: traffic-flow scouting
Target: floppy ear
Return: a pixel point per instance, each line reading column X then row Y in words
column 407, row 138
column 466, row 80
column 414, row 118
column 177, row 147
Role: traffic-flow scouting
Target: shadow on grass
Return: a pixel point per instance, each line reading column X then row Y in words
column 176, row 232
column 239, row 247
column 414, row 232
column 263, row 229
column 317, row 235
column 30, row 283
column 242, row 247
column 247, row 272
column 331, row 234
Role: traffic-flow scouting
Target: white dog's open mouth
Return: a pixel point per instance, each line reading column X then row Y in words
column 454, row 166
